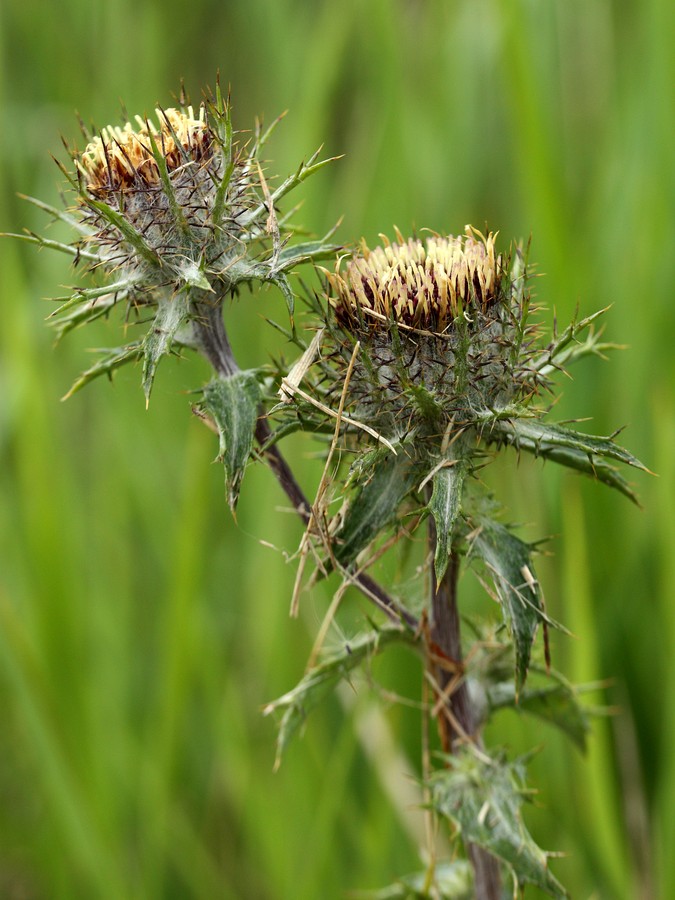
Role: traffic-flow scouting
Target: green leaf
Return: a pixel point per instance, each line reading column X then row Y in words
column 110, row 361
column 425, row 401
column 482, row 797
column 89, row 304
column 583, row 452
column 448, row 881
column 71, row 249
column 557, row 704
column 59, row 214
column 86, row 312
column 566, row 348
column 297, row 703
column 233, row 402
column 518, row 277
column 86, row 296
column 388, row 479
column 194, row 276
column 509, row 562
column 305, row 252
column 545, row 434
column 303, row 172
column 444, row 506
column 172, row 313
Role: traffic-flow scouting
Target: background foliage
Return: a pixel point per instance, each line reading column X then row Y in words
column 141, row 631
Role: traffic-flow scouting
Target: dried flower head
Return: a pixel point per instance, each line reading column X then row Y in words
column 425, row 285
column 442, row 326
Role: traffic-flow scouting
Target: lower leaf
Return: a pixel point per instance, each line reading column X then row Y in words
column 444, row 507
column 375, row 505
column 110, row 361
column 233, row 403
column 483, row 797
column 172, row 314
column 297, row 703
column 509, row 562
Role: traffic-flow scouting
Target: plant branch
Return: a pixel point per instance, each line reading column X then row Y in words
column 456, row 719
column 214, row 344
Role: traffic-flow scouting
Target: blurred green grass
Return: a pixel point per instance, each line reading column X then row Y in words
column 141, row 632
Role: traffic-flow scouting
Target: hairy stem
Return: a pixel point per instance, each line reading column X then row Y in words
column 456, row 721
column 215, row 346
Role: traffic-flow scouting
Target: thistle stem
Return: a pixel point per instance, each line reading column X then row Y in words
column 457, row 722
column 215, row 346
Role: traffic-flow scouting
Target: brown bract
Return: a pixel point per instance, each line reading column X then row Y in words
column 422, row 284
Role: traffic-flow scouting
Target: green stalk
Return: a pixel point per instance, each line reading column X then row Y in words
column 456, row 722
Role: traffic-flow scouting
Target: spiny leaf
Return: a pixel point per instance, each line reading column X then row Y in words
column 556, row 703
column 172, row 313
column 509, row 562
column 233, row 402
column 85, row 296
column 305, row 252
column 221, row 122
column 561, row 444
column 565, row 347
column 543, row 433
column 444, row 507
column 89, row 312
column 107, row 364
column 518, row 277
column 297, row 703
column 262, row 137
column 430, row 407
column 61, row 215
column 71, row 249
column 303, row 172
column 387, row 481
column 598, row 470
column 284, row 286
column 483, row 796
column 191, row 273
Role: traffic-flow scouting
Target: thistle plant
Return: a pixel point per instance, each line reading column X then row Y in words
column 426, row 361
column 419, row 360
